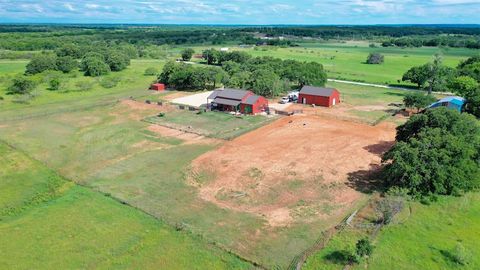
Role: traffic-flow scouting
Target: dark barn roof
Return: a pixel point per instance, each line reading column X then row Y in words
column 224, row 101
column 317, row 91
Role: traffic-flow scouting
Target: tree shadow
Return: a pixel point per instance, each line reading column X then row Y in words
column 370, row 180
column 402, row 85
column 379, row 148
column 366, row 181
column 339, row 257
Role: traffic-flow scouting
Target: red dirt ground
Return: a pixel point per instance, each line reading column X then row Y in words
column 299, row 168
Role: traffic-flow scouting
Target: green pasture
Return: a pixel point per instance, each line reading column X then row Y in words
column 424, row 238
column 207, row 123
column 69, row 227
column 347, row 61
column 131, row 82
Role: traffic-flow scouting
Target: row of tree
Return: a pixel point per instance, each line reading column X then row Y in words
column 95, row 63
column 265, row 76
column 463, row 80
column 446, row 41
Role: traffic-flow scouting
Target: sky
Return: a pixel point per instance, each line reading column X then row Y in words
column 242, row 11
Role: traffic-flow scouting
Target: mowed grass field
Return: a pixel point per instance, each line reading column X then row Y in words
column 347, row 60
column 423, row 239
column 47, row 222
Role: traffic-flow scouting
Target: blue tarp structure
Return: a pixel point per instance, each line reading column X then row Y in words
column 452, row 102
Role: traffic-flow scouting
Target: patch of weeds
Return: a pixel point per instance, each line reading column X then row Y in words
column 202, row 177
column 255, row 173
column 295, row 184
column 458, row 255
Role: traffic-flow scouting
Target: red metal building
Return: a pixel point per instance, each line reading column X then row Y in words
column 326, row 97
column 157, row 87
column 236, row 100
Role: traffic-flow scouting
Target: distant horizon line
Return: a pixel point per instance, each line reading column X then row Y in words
column 249, row 25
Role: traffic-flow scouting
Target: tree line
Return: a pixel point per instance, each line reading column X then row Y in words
column 464, row 80
column 266, row 76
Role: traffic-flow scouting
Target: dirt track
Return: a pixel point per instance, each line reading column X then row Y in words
column 299, row 168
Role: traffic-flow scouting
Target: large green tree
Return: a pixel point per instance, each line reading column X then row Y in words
column 187, row 54
column 94, row 65
column 437, row 152
column 117, row 60
column 41, row 63
column 418, row 100
column 66, row 64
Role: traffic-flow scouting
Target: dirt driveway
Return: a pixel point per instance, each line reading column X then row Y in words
column 195, row 100
column 297, row 169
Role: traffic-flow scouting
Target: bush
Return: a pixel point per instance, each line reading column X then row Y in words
column 461, row 255
column 41, row 63
column 54, row 84
column 21, row 85
column 363, row 248
column 151, row 71
column 375, row 58
column 1, row 98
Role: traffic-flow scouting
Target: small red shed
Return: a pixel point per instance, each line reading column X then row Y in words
column 325, row 97
column 157, row 87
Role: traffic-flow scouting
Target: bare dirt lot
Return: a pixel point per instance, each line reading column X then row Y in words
column 298, row 169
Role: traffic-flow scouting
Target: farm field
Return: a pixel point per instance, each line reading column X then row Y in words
column 347, row 61
column 104, row 174
column 45, row 219
column 441, row 227
column 110, row 149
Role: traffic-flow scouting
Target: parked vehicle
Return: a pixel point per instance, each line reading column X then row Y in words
column 285, row 100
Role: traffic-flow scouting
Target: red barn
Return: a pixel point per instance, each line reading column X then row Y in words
column 157, row 87
column 236, row 100
column 326, row 97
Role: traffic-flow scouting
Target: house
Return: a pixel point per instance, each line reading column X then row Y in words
column 452, row 102
column 237, row 100
column 326, row 97
column 157, row 87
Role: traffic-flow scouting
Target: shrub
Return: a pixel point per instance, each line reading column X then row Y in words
column 375, row 58
column 21, row 85
column 1, row 98
column 461, row 255
column 363, row 248
column 151, row 71
column 54, row 84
